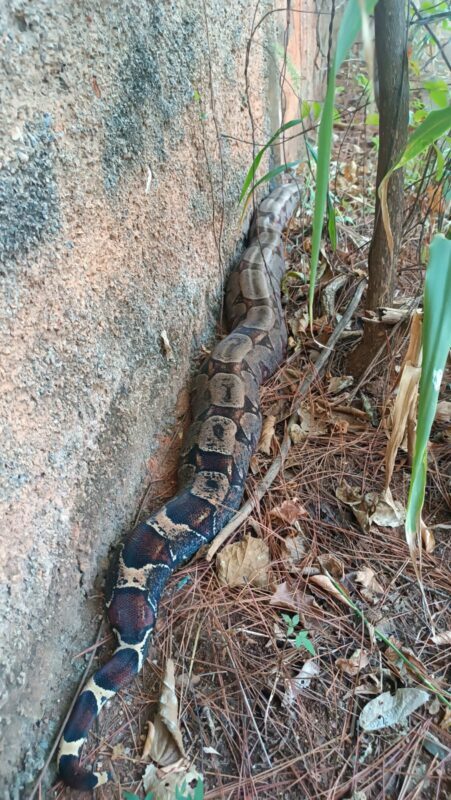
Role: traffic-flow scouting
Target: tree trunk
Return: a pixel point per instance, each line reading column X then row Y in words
column 391, row 57
column 393, row 103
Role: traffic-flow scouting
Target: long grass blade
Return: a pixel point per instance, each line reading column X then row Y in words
column 436, row 346
column 256, row 162
column 347, row 34
column 269, row 177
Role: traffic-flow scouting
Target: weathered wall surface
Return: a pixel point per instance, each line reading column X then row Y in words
column 112, row 195
column 118, row 221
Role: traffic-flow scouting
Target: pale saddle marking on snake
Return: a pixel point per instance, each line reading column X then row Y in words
column 215, row 459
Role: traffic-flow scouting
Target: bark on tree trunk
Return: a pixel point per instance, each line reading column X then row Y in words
column 391, row 56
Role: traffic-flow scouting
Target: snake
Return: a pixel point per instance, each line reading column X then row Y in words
column 223, row 435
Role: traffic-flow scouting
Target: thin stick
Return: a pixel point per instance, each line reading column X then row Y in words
column 37, row 785
column 276, row 465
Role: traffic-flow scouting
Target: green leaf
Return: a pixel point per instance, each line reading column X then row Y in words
column 349, row 28
column 302, row 640
column 436, row 346
column 255, row 164
column 436, row 124
column 373, row 119
column 295, row 620
column 305, row 109
column 130, row 796
column 440, row 159
column 438, row 92
column 268, row 177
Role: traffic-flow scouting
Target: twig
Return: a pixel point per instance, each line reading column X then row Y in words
column 276, row 465
column 37, row 785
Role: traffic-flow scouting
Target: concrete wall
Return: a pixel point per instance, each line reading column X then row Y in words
column 118, row 217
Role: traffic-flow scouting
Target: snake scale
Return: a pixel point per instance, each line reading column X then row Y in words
column 215, row 459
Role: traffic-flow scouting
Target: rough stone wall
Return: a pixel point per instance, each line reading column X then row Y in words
column 114, row 201
column 118, row 222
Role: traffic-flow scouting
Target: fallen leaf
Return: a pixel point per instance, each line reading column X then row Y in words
column 187, row 681
column 372, row 507
column 118, row 751
column 164, row 743
column 353, row 665
column 211, row 751
column 427, row 538
column 289, row 511
column 367, row 577
column 244, row 562
column 300, row 682
column 403, row 414
column 304, row 604
column 165, row 786
column 339, row 384
column 411, row 666
column 391, row 709
column 363, row 507
column 284, row 597
column 266, row 436
column 325, row 583
column 443, row 412
column 297, row 435
column 389, row 513
column 310, row 424
column 331, row 564
column 442, row 638
column 295, row 548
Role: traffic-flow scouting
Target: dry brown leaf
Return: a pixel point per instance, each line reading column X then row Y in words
column 338, row 385
column 389, row 513
column 300, row 682
column 297, row 435
column 363, row 506
column 164, row 743
column 325, row 583
column 305, row 605
column 353, row 665
column 367, row 578
column 332, row 564
column 311, row 424
column 187, row 681
column 442, row 638
column 294, row 550
column 266, row 437
column 118, row 751
column 284, row 597
column 372, row 507
column 427, row 538
column 403, row 668
column 289, row 511
column 244, row 562
column 443, row 413
column 404, row 413
column 446, row 721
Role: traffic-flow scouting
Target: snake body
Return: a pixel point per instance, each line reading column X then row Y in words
column 215, row 459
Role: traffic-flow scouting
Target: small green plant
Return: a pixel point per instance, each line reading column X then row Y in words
column 301, row 638
column 182, row 793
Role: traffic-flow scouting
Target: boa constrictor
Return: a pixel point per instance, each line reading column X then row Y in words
column 215, row 459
